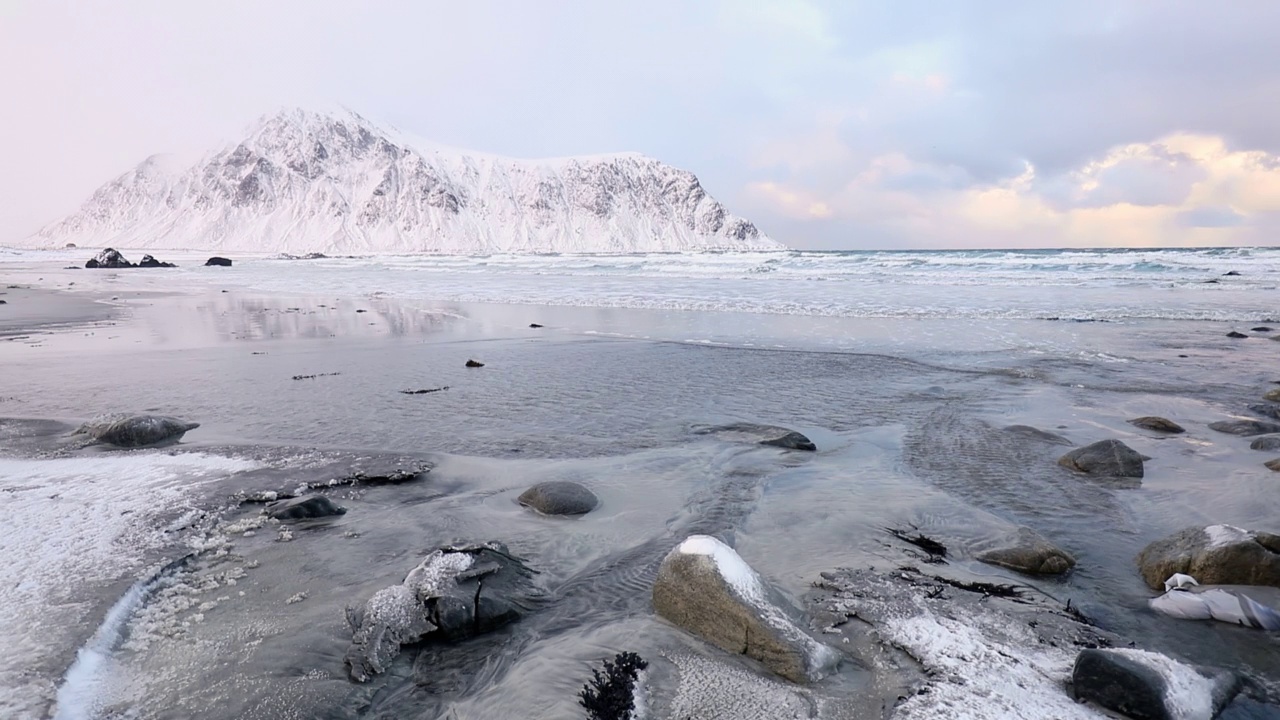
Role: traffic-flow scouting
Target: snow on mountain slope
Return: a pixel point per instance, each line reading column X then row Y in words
column 336, row 183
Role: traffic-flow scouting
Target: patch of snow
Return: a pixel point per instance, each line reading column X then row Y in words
column 735, row 571
column 712, row 689
column 436, row 572
column 1189, row 695
column 1223, row 535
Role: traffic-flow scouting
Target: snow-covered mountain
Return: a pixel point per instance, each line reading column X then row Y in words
column 304, row 181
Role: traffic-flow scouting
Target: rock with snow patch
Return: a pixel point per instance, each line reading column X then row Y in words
column 1213, row 555
column 1245, row 428
column 1105, row 458
column 150, row 262
column 1157, row 424
column 109, row 258
column 559, row 497
column 454, row 593
column 133, row 431
column 706, row 588
column 1150, row 686
column 304, row 508
column 1026, row 551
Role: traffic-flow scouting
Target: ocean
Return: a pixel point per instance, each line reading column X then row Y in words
column 904, row 369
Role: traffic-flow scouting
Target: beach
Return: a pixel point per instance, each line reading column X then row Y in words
column 305, row 371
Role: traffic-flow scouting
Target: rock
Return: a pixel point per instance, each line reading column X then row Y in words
column 1260, row 328
column 1236, row 335
column 1105, row 458
column 109, row 258
column 761, row 434
column 150, row 262
column 1150, row 686
column 1025, row 551
column 453, row 594
column 559, row 497
column 1230, row 273
column 136, row 430
column 1272, row 465
column 1033, row 433
column 216, row 261
column 1266, row 443
column 1157, row 424
column 1269, row 410
column 304, row 508
column 474, row 364
column 704, row 587
column 70, row 246
column 534, row 325
column 1245, row 428
column 1272, row 395
column 1213, row 555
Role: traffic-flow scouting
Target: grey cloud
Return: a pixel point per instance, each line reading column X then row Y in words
column 1211, row 217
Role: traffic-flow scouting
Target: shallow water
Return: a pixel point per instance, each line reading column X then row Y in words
column 907, row 415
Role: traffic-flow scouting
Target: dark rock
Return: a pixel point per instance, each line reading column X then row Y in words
column 109, row 258
column 136, row 430
column 1105, row 458
column 761, row 434
column 1213, row 555
column 4, row 302
column 1237, row 335
column 704, row 587
column 1266, row 410
column 1230, row 273
column 1272, row 465
column 474, row 364
column 534, row 325
column 1025, row 551
column 453, row 594
column 611, row 693
column 1260, row 328
column 150, row 262
column 1033, row 433
column 424, row 391
column 1245, row 428
column 304, row 508
column 1157, row 424
column 216, row 261
column 70, row 246
column 1266, row 443
column 1149, row 686
column 559, row 497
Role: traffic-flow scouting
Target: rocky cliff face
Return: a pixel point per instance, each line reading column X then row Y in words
column 311, row 182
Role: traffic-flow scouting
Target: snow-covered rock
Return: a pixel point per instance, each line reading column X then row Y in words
column 304, row 181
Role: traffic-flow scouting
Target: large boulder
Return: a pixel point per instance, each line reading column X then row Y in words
column 705, row 587
column 1150, row 686
column 304, row 508
column 1026, row 551
column 216, row 261
column 109, row 258
column 136, row 430
column 1157, row 424
column 453, row 594
column 151, row 262
column 1105, row 458
column 760, row 434
column 1213, row 555
column 1245, row 428
column 559, row 497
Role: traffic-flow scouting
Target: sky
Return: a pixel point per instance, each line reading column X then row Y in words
column 832, row 125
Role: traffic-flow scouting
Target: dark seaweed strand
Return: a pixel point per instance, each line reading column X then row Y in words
column 610, row 694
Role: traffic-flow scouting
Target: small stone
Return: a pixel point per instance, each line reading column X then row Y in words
column 1266, row 443
column 534, row 325
column 559, row 497
column 1026, row 551
column 474, row 364
column 1157, row 424
column 1236, row 335
column 1105, row 458
column 1273, row 465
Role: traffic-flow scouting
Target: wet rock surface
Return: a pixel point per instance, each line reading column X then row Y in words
column 1026, row 551
column 1213, row 555
column 1157, row 424
column 1105, row 458
column 304, row 508
column 131, row 431
column 1266, row 443
column 559, row 497
column 1245, row 428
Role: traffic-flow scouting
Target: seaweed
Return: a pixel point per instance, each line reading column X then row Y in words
column 936, row 551
column 610, row 694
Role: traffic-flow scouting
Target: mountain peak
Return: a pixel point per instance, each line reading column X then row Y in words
column 333, row 181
